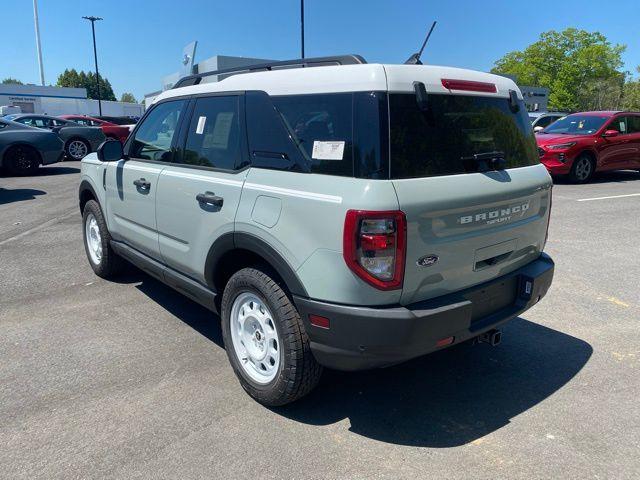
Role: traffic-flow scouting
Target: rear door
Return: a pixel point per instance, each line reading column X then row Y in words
column 619, row 151
column 199, row 193
column 132, row 184
column 465, row 225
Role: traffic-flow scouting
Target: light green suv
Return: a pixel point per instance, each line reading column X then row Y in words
column 347, row 216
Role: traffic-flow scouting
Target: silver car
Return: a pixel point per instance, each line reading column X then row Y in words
column 78, row 139
column 23, row 149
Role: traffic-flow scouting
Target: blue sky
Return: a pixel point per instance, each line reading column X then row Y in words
column 140, row 41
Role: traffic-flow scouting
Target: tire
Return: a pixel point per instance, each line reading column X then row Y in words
column 77, row 148
column 582, row 169
column 21, row 160
column 280, row 372
column 103, row 260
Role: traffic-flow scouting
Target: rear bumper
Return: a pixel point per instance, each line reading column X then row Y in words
column 364, row 337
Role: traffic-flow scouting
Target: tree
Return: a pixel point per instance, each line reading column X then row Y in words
column 631, row 94
column 71, row 78
column 12, row 81
column 128, row 98
column 573, row 64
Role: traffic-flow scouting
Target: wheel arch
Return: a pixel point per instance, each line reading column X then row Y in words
column 7, row 148
column 236, row 250
column 591, row 153
column 86, row 192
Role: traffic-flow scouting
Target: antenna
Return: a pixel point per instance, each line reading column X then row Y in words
column 415, row 58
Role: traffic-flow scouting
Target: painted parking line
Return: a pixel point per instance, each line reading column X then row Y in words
column 607, row 198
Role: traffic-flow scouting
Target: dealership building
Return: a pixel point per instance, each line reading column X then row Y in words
column 49, row 100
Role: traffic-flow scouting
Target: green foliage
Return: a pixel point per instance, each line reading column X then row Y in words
column 128, row 98
column 12, row 81
column 581, row 69
column 71, row 78
column 631, row 95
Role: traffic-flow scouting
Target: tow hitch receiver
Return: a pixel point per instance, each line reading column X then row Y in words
column 492, row 337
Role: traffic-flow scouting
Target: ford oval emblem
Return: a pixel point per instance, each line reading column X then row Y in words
column 427, row 260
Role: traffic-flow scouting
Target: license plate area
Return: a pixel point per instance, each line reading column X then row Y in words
column 491, row 299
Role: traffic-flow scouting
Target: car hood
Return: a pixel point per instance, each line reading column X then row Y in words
column 544, row 139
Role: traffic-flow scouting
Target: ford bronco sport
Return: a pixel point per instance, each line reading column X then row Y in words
column 348, row 216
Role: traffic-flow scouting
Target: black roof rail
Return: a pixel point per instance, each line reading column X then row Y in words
column 196, row 78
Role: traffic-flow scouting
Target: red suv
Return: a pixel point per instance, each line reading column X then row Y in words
column 110, row 130
column 578, row 145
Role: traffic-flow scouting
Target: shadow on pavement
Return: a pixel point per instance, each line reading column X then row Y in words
column 442, row 400
column 18, row 195
column 618, row 176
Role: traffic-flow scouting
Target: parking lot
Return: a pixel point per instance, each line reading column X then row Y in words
column 130, row 379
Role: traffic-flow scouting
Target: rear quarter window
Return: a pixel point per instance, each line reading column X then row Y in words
column 435, row 142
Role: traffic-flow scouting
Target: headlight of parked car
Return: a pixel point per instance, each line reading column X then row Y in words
column 561, row 146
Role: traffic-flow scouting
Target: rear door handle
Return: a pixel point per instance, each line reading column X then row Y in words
column 142, row 184
column 209, row 198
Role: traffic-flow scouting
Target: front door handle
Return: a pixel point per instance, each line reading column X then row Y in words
column 209, row 198
column 142, row 184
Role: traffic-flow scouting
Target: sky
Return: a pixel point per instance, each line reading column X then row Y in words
column 140, row 41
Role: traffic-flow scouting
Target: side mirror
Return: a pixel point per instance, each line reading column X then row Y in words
column 110, row 151
column 611, row 133
column 538, row 129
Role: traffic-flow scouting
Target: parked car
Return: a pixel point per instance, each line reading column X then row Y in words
column 23, row 149
column 111, row 130
column 581, row 144
column 348, row 216
column 78, row 139
column 128, row 122
column 543, row 120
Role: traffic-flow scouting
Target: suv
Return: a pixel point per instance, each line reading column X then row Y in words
column 347, row 216
column 582, row 144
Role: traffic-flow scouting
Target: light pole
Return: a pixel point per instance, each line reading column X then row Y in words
column 302, row 25
column 38, row 48
column 93, row 20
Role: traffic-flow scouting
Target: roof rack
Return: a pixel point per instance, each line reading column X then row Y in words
column 196, row 78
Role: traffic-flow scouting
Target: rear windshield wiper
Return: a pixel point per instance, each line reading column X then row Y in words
column 484, row 161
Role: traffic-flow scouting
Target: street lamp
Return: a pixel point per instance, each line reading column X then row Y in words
column 302, row 25
column 93, row 20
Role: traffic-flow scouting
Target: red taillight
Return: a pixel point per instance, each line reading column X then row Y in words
column 469, row 85
column 374, row 246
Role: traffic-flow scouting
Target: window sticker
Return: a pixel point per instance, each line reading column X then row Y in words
column 200, row 127
column 219, row 138
column 623, row 127
column 327, row 150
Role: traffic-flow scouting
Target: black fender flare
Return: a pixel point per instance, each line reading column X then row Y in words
column 85, row 185
column 246, row 241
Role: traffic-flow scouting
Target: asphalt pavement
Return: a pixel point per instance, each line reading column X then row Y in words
column 129, row 379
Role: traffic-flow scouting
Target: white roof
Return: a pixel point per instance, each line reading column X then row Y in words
column 348, row 78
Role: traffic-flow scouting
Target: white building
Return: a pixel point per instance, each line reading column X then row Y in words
column 62, row 101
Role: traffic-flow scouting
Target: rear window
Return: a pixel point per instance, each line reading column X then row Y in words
column 455, row 127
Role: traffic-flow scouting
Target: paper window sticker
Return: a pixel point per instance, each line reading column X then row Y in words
column 328, row 150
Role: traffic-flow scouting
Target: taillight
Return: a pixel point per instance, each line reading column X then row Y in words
column 374, row 246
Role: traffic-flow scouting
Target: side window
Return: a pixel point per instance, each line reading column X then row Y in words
column 322, row 125
column 634, row 124
column 213, row 138
column 153, row 138
column 621, row 124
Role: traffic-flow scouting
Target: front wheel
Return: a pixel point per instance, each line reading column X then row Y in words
column 582, row 169
column 265, row 339
column 103, row 260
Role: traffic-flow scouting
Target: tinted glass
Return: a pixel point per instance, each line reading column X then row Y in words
column 213, row 138
column 322, row 126
column 545, row 121
column 621, row 124
column 438, row 141
column 577, row 124
column 634, row 124
column 153, row 138
column 371, row 135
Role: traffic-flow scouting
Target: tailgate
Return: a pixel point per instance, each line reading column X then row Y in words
column 463, row 230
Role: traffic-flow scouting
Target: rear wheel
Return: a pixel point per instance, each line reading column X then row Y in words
column 265, row 339
column 103, row 260
column 77, row 149
column 582, row 169
column 21, row 160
